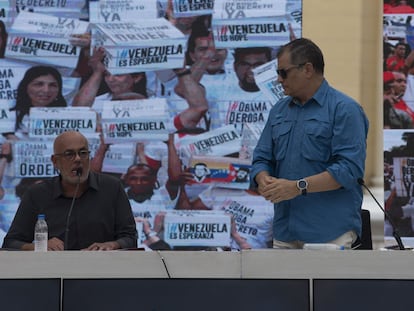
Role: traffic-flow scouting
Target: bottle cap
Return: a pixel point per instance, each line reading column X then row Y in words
column 41, row 216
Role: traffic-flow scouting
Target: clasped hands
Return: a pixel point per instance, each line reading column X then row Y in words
column 277, row 190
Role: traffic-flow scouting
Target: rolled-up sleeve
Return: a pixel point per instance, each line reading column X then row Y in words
column 348, row 144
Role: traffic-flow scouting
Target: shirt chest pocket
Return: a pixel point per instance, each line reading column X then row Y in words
column 317, row 140
column 280, row 134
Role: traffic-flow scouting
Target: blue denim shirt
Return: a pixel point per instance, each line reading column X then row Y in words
column 327, row 133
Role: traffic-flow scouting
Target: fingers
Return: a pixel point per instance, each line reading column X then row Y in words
column 100, row 247
column 55, row 244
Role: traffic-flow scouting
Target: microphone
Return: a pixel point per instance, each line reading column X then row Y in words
column 79, row 171
column 387, row 215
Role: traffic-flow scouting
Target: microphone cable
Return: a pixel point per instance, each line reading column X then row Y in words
column 387, row 216
column 78, row 173
column 164, row 263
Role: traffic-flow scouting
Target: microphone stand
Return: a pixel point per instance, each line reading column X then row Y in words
column 395, row 233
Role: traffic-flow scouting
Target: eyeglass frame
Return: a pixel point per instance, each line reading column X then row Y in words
column 283, row 73
column 70, row 155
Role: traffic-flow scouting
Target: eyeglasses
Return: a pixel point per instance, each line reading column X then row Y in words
column 283, row 73
column 70, row 155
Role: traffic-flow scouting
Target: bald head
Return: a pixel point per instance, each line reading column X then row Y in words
column 65, row 138
column 71, row 156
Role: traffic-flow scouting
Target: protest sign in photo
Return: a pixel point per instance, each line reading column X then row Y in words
column 172, row 96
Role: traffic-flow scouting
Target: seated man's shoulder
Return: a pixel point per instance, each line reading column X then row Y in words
column 106, row 178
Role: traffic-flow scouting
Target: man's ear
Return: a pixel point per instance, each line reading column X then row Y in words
column 309, row 69
column 53, row 159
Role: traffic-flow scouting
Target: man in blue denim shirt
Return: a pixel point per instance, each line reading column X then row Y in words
column 311, row 154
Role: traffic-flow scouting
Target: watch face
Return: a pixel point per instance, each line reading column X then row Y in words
column 302, row 184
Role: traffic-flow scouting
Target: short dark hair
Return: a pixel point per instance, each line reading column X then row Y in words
column 239, row 52
column 142, row 166
column 304, row 51
column 400, row 43
column 199, row 29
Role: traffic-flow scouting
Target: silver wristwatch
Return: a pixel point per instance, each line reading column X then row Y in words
column 302, row 185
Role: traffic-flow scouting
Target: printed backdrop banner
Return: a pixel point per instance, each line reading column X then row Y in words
column 398, row 110
column 166, row 105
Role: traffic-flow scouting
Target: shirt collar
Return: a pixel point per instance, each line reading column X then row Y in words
column 57, row 185
column 318, row 97
column 320, row 94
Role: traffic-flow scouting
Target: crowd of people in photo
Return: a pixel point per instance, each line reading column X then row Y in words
column 398, row 112
column 157, row 179
column 228, row 160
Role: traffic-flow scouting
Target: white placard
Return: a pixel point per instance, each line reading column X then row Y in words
column 44, row 39
column 197, row 228
column 135, row 120
column 186, row 8
column 7, row 11
column 7, row 117
column 61, row 8
column 294, row 16
column 153, row 44
column 118, row 158
column 32, row 158
column 251, row 32
column 241, row 9
column 219, row 142
column 265, row 77
column 110, row 11
column 49, row 122
column 240, row 112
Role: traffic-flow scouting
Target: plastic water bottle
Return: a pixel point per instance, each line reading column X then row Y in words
column 40, row 234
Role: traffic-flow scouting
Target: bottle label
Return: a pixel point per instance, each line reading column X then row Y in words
column 40, row 242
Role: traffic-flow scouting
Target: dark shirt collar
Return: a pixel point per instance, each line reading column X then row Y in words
column 57, row 185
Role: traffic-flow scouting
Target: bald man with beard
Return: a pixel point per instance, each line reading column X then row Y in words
column 84, row 210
